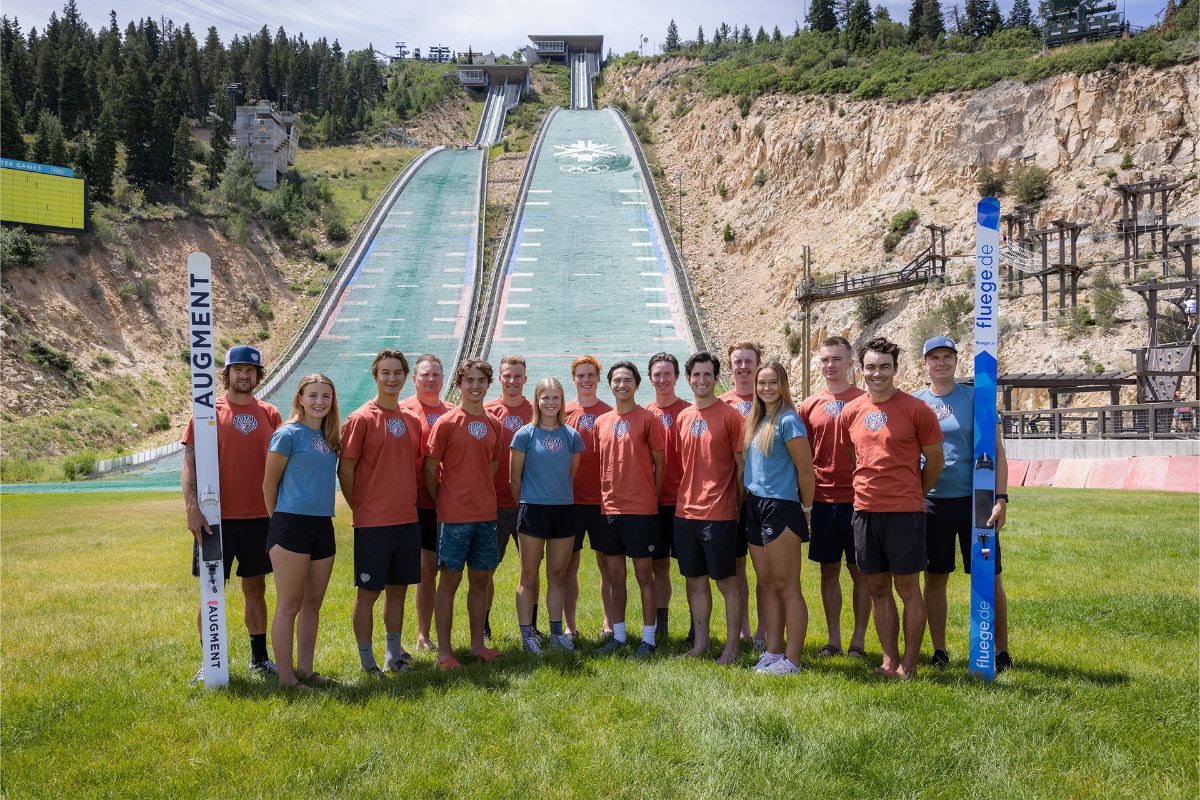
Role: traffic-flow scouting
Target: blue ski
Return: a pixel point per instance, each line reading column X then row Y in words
column 987, row 340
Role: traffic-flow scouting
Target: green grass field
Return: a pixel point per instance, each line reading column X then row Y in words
column 98, row 647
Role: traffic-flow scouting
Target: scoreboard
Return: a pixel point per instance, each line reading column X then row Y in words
column 42, row 196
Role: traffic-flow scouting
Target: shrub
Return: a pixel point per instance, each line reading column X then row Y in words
column 743, row 104
column 335, row 228
column 868, row 308
column 722, row 190
column 727, row 234
column 78, row 466
column 992, row 182
column 951, row 312
column 793, row 343
column 760, row 128
column 760, row 177
column 1106, row 298
column 899, row 227
column 1127, row 161
column 20, row 248
column 103, row 359
column 1031, row 184
column 159, row 422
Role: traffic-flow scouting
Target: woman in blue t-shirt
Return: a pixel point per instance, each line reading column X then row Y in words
column 544, row 456
column 780, row 483
column 298, row 487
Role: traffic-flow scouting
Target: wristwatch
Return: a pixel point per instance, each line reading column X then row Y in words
column 1002, row 496
column 806, row 509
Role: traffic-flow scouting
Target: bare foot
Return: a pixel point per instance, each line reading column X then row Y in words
column 887, row 673
column 699, row 650
column 423, row 643
column 728, row 655
column 906, row 673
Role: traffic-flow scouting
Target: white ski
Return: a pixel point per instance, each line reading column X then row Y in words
column 208, row 482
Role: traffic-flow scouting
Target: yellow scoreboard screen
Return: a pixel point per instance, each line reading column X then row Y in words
column 42, row 196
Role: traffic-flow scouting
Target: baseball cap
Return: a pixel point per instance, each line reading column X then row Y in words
column 243, row 354
column 935, row 342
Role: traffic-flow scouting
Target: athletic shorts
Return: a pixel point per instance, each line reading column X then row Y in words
column 768, row 517
column 427, row 519
column 949, row 519
column 890, row 541
column 301, row 533
column 546, row 521
column 389, row 555
column 706, row 547
column 589, row 520
column 742, row 544
column 666, row 532
column 506, row 528
column 245, row 540
column 832, row 533
column 633, row 535
column 470, row 544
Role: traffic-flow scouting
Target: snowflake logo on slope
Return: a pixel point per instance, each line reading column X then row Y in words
column 584, row 152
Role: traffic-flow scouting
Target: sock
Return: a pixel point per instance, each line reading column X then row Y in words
column 648, row 634
column 487, row 620
column 661, row 621
column 394, row 648
column 556, row 628
column 535, row 605
column 526, row 631
column 619, row 631
column 366, row 657
column 258, row 647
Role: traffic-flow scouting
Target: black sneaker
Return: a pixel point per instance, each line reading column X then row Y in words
column 1003, row 661
column 609, row 647
column 644, row 651
column 940, row 659
column 264, row 667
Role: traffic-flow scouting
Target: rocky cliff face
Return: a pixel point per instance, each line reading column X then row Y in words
column 830, row 173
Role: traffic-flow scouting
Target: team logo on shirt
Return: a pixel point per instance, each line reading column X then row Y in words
column 587, row 422
column 699, row 428
column 666, row 420
column 834, row 407
column 396, row 427
column 943, row 410
column 320, row 445
column 513, row 423
column 477, row 429
column 245, row 423
column 742, row 407
column 432, row 418
column 553, row 443
column 875, row 420
column 621, row 428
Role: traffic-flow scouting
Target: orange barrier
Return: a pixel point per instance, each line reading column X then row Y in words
column 1183, row 474
column 1072, row 473
column 1016, row 472
column 1147, row 472
column 1157, row 473
column 1108, row 473
column 1041, row 472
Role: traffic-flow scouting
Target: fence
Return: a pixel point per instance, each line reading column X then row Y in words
column 1176, row 420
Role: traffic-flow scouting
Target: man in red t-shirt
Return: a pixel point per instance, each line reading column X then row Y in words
column 581, row 414
column 513, row 412
column 244, row 428
column 381, row 446
column 632, row 448
column 888, row 432
column 743, row 359
column 664, row 372
column 460, row 472
column 710, row 495
column 833, row 501
column 429, row 406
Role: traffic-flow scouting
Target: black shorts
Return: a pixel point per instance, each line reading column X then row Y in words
column 666, row 532
column 245, row 540
column 706, row 547
column 742, row 545
column 589, row 520
column 506, row 528
column 388, row 555
column 301, row 533
column 890, row 541
column 949, row 519
column 427, row 519
column 546, row 521
column 832, row 533
column 768, row 517
column 633, row 535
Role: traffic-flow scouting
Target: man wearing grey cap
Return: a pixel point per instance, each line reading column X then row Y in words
column 948, row 503
column 244, row 428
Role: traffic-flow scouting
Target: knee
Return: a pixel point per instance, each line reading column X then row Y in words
column 254, row 588
column 480, row 581
column 448, row 580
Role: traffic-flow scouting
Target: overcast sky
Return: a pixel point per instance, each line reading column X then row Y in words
column 460, row 24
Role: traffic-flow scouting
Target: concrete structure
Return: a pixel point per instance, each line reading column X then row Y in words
column 485, row 76
column 270, row 138
column 559, row 48
column 1035, row 449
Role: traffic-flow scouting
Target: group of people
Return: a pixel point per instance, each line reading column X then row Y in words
column 874, row 478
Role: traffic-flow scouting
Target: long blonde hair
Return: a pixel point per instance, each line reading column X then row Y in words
column 543, row 385
column 331, row 427
column 760, row 426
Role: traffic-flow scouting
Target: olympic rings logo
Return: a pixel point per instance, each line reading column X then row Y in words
column 579, row 169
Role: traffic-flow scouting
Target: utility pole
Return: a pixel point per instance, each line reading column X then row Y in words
column 805, row 327
column 679, row 177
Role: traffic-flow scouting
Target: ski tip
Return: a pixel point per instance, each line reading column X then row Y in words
column 199, row 259
column 988, row 213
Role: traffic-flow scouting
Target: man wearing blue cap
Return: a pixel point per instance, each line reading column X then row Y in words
column 948, row 504
column 244, row 428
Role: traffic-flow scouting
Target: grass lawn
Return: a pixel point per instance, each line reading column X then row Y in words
column 98, row 646
column 358, row 173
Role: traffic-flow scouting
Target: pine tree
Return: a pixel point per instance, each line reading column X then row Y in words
column 976, row 23
column 700, row 36
column 860, row 27
column 915, row 14
column 73, row 89
column 761, row 37
column 104, row 155
column 933, row 24
column 995, row 22
column 1021, row 15
column 181, row 156
column 12, row 143
column 49, row 145
column 135, row 109
column 219, row 142
column 821, row 16
column 776, row 35
column 746, row 34
column 672, row 43
column 83, row 159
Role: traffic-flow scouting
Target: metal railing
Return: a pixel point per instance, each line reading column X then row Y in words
column 1176, row 420
column 925, row 267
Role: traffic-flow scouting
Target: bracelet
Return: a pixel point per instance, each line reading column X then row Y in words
column 806, row 509
column 1002, row 496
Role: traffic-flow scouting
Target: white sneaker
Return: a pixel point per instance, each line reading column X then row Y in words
column 532, row 645
column 767, row 660
column 782, row 667
column 560, row 641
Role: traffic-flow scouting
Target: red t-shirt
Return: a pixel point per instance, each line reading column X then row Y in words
column 831, row 461
column 387, row 444
column 887, row 439
column 742, row 403
column 709, row 441
column 511, row 420
column 428, row 415
column 625, row 442
column 667, row 417
column 587, row 478
column 466, row 445
column 243, row 434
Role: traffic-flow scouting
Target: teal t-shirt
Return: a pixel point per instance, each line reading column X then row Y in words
column 546, row 477
column 310, row 477
column 774, row 475
column 956, row 416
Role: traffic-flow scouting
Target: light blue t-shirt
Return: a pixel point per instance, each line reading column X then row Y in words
column 546, row 478
column 956, row 416
column 309, row 479
column 774, row 476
